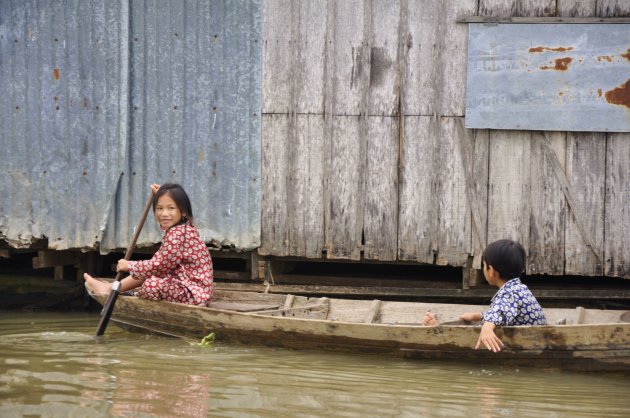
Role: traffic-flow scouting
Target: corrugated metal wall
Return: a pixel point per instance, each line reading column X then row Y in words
column 195, row 74
column 366, row 155
column 61, row 79
column 108, row 97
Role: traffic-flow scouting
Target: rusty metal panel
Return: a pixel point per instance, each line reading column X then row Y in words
column 195, row 81
column 562, row 77
column 63, row 83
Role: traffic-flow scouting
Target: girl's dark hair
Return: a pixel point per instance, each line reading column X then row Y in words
column 178, row 194
column 507, row 257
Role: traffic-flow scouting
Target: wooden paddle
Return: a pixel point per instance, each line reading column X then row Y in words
column 108, row 307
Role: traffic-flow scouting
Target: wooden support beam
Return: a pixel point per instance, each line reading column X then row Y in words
column 289, row 301
column 264, row 270
column 581, row 313
column 90, row 262
column 541, row 19
column 58, row 272
column 426, row 293
column 373, row 312
column 232, row 275
column 472, row 277
column 230, row 254
column 47, row 259
column 252, row 265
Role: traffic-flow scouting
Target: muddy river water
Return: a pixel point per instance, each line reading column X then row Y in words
column 52, row 365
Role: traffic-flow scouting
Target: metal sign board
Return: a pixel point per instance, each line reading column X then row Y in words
column 556, row 77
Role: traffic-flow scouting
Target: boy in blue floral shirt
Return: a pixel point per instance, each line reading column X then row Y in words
column 503, row 262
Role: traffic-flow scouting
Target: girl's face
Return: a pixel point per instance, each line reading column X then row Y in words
column 167, row 212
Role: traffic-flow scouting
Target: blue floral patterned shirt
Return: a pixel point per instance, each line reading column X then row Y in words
column 514, row 304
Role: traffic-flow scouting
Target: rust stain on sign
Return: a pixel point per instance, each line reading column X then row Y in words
column 56, row 73
column 552, row 77
column 562, row 64
column 546, row 48
column 620, row 96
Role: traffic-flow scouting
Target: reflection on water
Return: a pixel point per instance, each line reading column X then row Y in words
column 52, row 365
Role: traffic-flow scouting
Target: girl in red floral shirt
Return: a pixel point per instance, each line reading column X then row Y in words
column 181, row 270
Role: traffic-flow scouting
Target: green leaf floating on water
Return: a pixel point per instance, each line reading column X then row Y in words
column 207, row 340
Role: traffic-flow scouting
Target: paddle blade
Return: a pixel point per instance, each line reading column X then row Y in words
column 106, row 313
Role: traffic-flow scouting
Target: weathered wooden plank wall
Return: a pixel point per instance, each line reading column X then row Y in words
column 617, row 186
column 364, row 148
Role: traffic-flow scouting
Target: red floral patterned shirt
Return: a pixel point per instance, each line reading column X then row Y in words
column 180, row 271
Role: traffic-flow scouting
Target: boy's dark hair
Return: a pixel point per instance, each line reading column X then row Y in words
column 507, row 257
column 178, row 194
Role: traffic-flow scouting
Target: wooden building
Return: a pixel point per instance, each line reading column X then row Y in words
column 327, row 131
column 366, row 157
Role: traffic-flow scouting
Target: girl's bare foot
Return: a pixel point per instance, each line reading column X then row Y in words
column 96, row 286
column 430, row 319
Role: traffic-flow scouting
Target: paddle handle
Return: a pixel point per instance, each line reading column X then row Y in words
column 108, row 307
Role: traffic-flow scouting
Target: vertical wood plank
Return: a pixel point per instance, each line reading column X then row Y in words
column 509, row 203
column 419, row 79
column 350, row 59
column 343, row 231
column 274, row 231
column 472, row 146
column 381, row 193
column 306, row 231
column 277, row 60
column 454, row 211
column 509, row 8
column 613, row 8
column 383, row 71
column 617, row 217
column 548, row 208
column 454, row 51
column 310, row 47
column 576, row 8
column 417, row 224
column 480, row 170
column 584, row 151
column 348, row 135
column 617, row 214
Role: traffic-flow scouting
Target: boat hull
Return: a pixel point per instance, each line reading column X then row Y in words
column 577, row 347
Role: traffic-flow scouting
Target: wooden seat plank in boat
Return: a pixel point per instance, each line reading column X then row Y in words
column 242, row 307
column 318, row 311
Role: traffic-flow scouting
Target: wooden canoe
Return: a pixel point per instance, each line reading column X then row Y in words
column 579, row 339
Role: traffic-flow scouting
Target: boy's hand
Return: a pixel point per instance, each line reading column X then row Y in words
column 154, row 188
column 430, row 319
column 488, row 338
